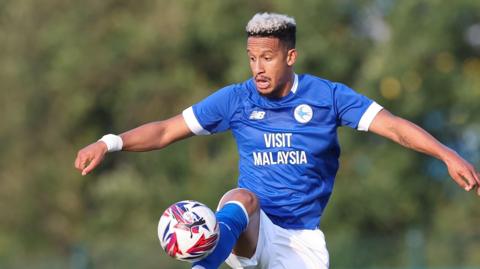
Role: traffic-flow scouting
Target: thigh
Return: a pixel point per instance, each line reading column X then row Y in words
column 260, row 259
column 247, row 242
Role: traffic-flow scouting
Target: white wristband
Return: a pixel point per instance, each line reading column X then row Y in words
column 113, row 142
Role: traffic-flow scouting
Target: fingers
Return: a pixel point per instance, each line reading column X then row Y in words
column 80, row 161
column 77, row 163
column 463, row 173
column 460, row 181
column 469, row 180
column 90, row 157
column 91, row 166
column 468, row 177
column 477, row 178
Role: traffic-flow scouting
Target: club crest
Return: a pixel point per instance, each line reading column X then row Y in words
column 303, row 113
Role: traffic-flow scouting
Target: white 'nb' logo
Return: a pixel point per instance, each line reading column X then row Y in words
column 257, row 115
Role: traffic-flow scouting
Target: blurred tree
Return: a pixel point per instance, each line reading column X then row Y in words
column 72, row 71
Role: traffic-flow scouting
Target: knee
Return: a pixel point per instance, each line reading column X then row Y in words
column 248, row 199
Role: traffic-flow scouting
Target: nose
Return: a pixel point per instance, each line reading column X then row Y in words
column 258, row 67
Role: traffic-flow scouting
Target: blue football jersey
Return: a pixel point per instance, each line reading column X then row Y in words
column 288, row 147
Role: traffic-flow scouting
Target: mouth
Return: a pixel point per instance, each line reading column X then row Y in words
column 262, row 83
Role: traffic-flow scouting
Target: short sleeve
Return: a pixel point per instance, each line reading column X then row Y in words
column 353, row 109
column 212, row 114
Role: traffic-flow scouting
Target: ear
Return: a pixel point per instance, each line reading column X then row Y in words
column 291, row 57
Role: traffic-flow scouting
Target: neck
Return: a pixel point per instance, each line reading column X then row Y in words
column 284, row 88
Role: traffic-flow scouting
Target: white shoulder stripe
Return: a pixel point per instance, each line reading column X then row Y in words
column 368, row 116
column 193, row 123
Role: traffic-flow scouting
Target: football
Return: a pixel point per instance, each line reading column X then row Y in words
column 188, row 231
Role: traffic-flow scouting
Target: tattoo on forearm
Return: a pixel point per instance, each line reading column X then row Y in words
column 404, row 141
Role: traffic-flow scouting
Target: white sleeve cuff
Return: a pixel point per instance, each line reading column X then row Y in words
column 193, row 123
column 368, row 116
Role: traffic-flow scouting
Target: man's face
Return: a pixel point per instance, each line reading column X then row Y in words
column 271, row 64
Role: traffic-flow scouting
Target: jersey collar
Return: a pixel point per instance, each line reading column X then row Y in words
column 295, row 84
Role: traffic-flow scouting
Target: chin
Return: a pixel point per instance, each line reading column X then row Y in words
column 265, row 92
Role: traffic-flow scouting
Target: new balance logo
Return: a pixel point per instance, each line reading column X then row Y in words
column 257, row 115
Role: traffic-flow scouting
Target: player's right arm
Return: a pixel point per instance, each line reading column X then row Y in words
column 150, row 136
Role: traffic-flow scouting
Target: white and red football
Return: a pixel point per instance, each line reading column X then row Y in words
column 188, row 231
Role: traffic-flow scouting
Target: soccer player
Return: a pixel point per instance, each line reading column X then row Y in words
column 285, row 125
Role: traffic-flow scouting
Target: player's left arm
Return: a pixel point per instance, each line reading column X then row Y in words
column 414, row 137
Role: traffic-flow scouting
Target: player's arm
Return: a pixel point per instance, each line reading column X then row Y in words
column 150, row 136
column 414, row 137
column 155, row 135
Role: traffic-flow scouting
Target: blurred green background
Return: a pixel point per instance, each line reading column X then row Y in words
column 71, row 71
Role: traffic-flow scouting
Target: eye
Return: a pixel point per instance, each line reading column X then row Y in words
column 252, row 59
column 267, row 58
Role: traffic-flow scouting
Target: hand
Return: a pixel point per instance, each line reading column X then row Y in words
column 462, row 172
column 90, row 157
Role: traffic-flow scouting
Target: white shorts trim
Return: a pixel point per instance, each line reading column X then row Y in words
column 279, row 248
column 192, row 122
column 368, row 116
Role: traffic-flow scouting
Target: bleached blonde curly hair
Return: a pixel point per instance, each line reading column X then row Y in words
column 275, row 25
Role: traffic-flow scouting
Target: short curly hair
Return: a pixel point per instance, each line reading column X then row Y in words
column 280, row 26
